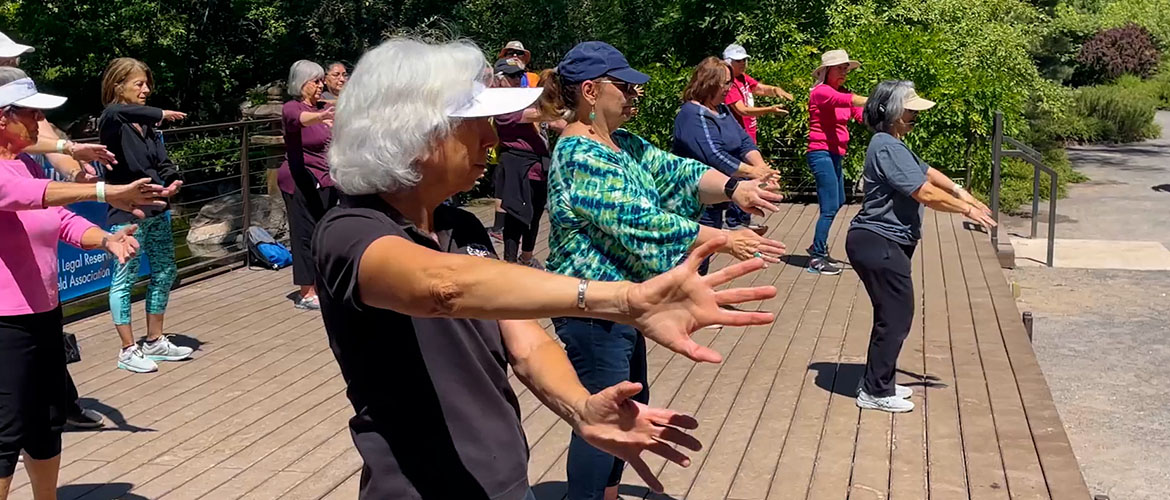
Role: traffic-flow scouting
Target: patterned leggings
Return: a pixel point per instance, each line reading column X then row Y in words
column 154, row 236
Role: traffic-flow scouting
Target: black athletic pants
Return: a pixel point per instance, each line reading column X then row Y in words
column 884, row 268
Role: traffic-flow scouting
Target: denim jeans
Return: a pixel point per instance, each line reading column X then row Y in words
column 712, row 216
column 826, row 169
column 603, row 353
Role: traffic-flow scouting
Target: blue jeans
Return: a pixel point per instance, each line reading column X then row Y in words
column 826, row 168
column 603, row 353
column 713, row 217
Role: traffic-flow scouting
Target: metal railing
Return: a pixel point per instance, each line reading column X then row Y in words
column 1025, row 153
column 220, row 163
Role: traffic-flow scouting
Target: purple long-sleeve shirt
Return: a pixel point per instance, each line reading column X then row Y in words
column 28, row 256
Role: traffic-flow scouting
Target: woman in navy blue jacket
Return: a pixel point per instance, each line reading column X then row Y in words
column 706, row 130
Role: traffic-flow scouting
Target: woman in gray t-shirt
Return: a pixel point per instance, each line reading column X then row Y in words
column 884, row 234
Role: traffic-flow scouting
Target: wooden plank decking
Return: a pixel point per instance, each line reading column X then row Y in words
column 261, row 411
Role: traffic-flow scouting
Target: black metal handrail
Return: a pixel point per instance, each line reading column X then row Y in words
column 1023, row 152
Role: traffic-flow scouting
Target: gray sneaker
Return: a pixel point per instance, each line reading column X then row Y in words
column 310, row 303
column 821, row 265
column 132, row 359
column 892, row 404
column 163, row 350
column 899, row 390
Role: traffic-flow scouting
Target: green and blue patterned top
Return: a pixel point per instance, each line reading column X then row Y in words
column 628, row 215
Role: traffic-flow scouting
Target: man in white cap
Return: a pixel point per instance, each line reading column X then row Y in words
column 66, row 157
column 741, row 98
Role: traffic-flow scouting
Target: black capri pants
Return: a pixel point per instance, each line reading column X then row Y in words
column 303, row 214
column 32, row 373
column 884, row 267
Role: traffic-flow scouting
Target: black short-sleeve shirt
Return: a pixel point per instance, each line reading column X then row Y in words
column 435, row 415
column 892, row 174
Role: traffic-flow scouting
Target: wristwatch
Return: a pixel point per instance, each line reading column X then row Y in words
column 729, row 188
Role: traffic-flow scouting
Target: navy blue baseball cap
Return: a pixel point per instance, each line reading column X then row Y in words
column 590, row 60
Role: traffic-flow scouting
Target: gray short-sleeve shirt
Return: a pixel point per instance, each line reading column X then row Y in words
column 892, row 174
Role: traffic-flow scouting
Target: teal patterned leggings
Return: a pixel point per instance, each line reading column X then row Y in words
column 157, row 244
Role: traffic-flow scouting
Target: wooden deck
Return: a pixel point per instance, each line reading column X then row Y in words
column 261, row 411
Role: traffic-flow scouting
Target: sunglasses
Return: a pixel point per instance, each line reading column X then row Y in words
column 515, row 53
column 626, row 88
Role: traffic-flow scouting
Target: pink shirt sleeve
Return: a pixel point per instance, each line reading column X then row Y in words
column 21, row 193
column 858, row 114
column 752, row 83
column 824, row 95
column 72, row 226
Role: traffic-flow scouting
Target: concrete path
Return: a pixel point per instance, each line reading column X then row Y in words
column 1102, row 336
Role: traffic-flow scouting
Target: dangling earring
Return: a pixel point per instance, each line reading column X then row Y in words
column 592, row 116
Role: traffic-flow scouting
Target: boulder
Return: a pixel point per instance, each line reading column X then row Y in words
column 220, row 221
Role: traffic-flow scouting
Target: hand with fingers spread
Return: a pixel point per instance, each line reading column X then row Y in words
column 981, row 217
column 754, row 199
column 172, row 189
column 745, row 244
column 670, row 307
column 136, row 195
column 624, row 428
column 122, row 244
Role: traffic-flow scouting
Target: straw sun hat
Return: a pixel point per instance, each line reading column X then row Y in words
column 833, row 58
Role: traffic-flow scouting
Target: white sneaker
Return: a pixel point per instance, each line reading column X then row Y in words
column 892, row 404
column 899, row 390
column 163, row 350
column 132, row 359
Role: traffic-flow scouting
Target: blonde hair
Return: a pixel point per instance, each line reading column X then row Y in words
column 118, row 71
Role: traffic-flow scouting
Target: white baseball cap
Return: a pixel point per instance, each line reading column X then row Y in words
column 735, row 52
column 9, row 48
column 484, row 101
column 23, row 93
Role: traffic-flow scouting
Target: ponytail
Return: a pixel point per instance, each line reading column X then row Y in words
column 559, row 100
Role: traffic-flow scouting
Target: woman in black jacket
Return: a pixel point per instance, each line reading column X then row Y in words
column 126, row 127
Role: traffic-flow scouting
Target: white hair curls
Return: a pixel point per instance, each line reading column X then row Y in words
column 395, row 107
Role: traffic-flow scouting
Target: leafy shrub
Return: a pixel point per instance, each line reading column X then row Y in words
column 1113, row 115
column 1118, row 51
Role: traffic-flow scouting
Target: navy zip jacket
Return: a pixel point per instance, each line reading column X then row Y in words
column 139, row 154
column 716, row 139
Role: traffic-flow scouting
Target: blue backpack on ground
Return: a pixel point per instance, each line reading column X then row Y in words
column 266, row 251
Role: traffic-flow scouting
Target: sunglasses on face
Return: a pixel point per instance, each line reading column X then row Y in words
column 626, row 88
column 514, row 53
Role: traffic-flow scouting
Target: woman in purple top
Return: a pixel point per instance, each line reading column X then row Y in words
column 32, row 222
column 304, row 176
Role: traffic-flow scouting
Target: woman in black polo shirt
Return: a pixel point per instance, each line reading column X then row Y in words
column 885, row 232
column 424, row 321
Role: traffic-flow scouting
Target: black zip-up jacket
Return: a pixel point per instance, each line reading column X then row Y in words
column 139, row 154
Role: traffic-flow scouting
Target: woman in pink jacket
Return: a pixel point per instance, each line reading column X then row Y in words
column 830, row 107
column 31, row 223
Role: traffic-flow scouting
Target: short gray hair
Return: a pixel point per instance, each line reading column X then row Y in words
column 885, row 104
column 300, row 73
column 395, row 107
column 9, row 74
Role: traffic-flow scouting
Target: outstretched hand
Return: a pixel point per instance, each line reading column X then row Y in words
column 756, row 200
column 85, row 153
column 122, row 244
column 136, row 195
column 612, row 422
column 668, row 308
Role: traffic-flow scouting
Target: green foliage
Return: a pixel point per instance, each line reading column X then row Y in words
column 1113, row 115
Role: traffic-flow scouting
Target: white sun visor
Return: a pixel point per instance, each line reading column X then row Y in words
column 494, row 101
column 23, row 93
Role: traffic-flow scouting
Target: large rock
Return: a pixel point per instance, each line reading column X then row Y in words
column 220, row 222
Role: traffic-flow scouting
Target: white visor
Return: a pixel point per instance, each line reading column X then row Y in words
column 23, row 93
column 494, row 101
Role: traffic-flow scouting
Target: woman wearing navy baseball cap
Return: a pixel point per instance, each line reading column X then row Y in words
column 622, row 209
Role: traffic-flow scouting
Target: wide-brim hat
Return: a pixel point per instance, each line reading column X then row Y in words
column 23, row 93
column 914, row 102
column 516, row 45
column 483, row 101
column 836, row 58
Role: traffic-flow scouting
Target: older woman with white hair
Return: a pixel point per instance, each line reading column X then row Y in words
column 885, row 232
column 424, row 321
column 303, row 177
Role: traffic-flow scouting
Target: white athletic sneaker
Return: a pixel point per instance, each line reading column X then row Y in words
column 132, row 359
column 899, row 390
column 163, row 350
column 892, row 404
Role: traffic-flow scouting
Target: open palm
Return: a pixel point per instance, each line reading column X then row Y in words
column 122, row 244
column 624, row 428
column 670, row 307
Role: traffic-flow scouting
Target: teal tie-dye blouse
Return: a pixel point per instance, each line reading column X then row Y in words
column 628, row 215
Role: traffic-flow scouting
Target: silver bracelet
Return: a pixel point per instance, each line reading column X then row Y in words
column 581, row 287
